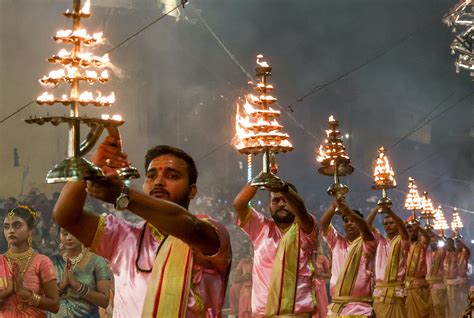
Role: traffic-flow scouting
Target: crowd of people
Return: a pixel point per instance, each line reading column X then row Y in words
column 142, row 253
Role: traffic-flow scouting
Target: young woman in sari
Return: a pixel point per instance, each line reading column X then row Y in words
column 27, row 280
column 84, row 279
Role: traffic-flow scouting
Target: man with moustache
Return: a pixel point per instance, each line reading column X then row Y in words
column 173, row 264
column 418, row 301
column 283, row 248
column 390, row 263
column 352, row 263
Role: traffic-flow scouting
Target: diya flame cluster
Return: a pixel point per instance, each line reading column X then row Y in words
column 413, row 200
column 456, row 224
column 75, row 65
column 427, row 208
column 440, row 222
column 256, row 123
column 332, row 148
column 383, row 172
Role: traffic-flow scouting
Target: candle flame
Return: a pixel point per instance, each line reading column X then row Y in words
column 86, row 8
column 383, row 172
column 261, row 63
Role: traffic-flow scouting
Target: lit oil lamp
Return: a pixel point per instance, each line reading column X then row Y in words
column 334, row 160
column 75, row 69
column 413, row 200
column 258, row 130
column 384, row 178
column 456, row 224
column 440, row 223
column 427, row 210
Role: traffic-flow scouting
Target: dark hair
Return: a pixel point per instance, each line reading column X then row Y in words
column 291, row 185
column 26, row 213
column 162, row 150
column 356, row 212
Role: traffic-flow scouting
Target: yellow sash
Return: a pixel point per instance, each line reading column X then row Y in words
column 413, row 258
column 168, row 289
column 391, row 272
column 435, row 266
column 347, row 277
column 282, row 290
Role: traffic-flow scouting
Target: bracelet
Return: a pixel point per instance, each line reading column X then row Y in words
column 83, row 290
column 34, row 300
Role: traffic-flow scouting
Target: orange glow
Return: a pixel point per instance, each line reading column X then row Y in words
column 440, row 222
column 413, row 200
column 383, row 172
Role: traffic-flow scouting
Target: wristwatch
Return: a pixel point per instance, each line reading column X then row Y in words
column 122, row 202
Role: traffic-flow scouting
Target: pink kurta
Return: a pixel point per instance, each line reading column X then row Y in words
column 266, row 236
column 322, row 271
column 381, row 261
column 117, row 241
column 362, row 287
column 435, row 278
column 40, row 271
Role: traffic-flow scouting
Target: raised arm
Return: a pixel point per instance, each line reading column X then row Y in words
column 425, row 234
column 68, row 211
column 371, row 217
column 358, row 221
column 241, row 201
column 296, row 205
column 327, row 217
column 170, row 218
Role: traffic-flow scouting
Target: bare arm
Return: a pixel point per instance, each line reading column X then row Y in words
column 371, row 217
column 69, row 214
column 241, row 201
column 99, row 297
column 68, row 211
column 426, row 235
column 175, row 220
column 358, row 221
column 6, row 292
column 50, row 302
column 296, row 205
column 327, row 217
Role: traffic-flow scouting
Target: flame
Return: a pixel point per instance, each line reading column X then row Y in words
column 86, row 8
column 426, row 205
column 456, row 224
column 440, row 222
column 63, row 33
column 413, row 200
column 261, row 63
column 331, row 119
column 63, row 53
column 117, row 117
column 45, row 97
column 105, row 116
column 383, row 172
column 104, row 74
column 91, row 74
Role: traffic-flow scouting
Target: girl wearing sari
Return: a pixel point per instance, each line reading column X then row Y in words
column 27, row 280
column 84, row 280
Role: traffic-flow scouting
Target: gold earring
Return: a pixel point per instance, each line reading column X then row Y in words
column 30, row 240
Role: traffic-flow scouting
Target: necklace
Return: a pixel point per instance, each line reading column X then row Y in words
column 74, row 260
column 17, row 258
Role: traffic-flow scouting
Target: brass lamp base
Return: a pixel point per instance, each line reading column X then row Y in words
column 337, row 188
column 343, row 170
column 128, row 173
column 383, row 201
column 267, row 180
column 74, row 169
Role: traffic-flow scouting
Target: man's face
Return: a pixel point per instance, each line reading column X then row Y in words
column 390, row 227
column 412, row 232
column 167, row 178
column 279, row 209
column 352, row 231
